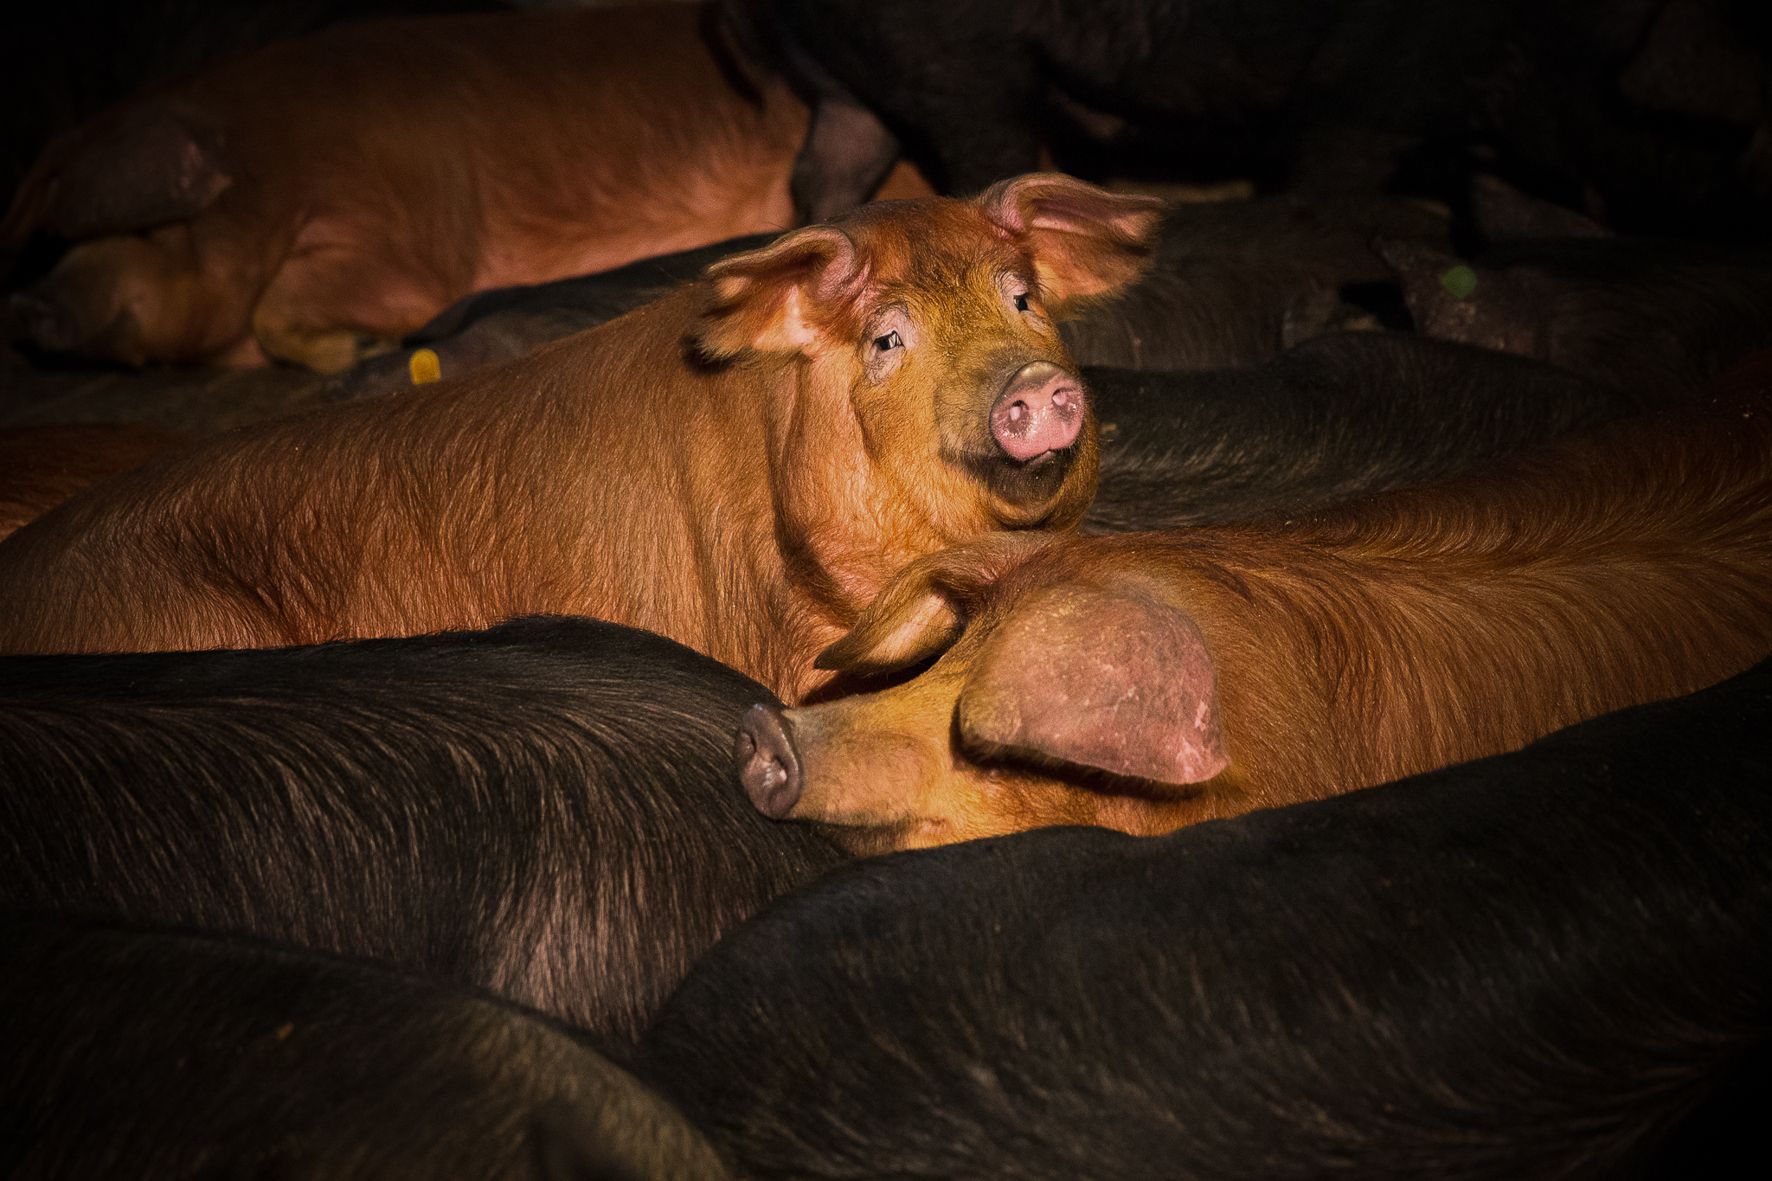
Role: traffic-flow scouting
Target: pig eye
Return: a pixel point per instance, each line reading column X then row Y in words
column 1021, row 301
column 892, row 340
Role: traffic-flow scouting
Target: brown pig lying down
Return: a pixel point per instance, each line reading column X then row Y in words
column 329, row 194
column 1148, row 681
column 740, row 465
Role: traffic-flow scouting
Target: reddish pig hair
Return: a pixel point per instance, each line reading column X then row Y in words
column 42, row 466
column 326, row 195
column 1148, row 681
column 775, row 299
column 1087, row 241
column 740, row 466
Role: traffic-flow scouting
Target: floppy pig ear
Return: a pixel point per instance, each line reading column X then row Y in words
column 1085, row 241
column 146, row 166
column 920, row 612
column 910, row 621
column 776, row 299
column 1114, row 680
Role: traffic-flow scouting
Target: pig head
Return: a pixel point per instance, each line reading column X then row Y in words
column 1049, row 701
column 921, row 394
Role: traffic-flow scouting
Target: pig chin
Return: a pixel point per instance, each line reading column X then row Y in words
column 1025, row 492
column 1026, row 449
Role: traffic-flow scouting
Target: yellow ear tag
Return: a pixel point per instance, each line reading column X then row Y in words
column 1460, row 282
column 424, row 366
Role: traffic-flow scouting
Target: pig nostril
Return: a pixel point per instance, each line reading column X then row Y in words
column 1040, row 410
column 768, row 768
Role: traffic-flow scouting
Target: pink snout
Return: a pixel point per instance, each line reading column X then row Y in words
column 1040, row 410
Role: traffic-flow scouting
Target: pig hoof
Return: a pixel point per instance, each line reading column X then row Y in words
column 768, row 767
column 323, row 351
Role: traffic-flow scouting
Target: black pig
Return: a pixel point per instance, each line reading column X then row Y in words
column 1341, row 416
column 1654, row 318
column 1330, row 95
column 542, row 809
column 153, row 1053
column 1533, row 965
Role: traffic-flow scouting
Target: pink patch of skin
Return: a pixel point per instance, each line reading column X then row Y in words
column 1032, row 419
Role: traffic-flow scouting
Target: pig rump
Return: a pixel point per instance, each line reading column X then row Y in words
column 1528, row 966
column 541, row 809
column 151, row 1053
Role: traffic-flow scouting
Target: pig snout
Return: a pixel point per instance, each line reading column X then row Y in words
column 1040, row 410
column 768, row 765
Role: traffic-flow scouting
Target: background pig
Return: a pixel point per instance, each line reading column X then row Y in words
column 542, row 810
column 324, row 196
column 63, row 63
column 1146, row 681
column 739, row 466
column 160, row 1054
column 1338, row 417
column 491, row 327
column 1653, row 318
column 1529, row 966
column 1334, row 97
column 1235, row 282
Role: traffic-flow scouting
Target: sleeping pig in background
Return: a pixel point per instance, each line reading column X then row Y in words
column 314, row 201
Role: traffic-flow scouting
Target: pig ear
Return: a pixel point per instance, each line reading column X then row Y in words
column 1084, row 241
column 780, row 298
column 912, row 620
column 1116, row 680
column 153, row 164
column 1439, row 289
column 922, row 610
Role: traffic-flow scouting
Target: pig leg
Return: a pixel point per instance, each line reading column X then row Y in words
column 847, row 153
column 978, row 129
column 966, row 129
column 329, row 307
